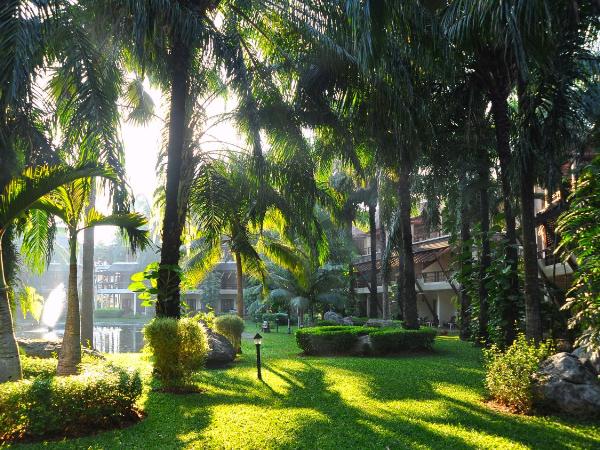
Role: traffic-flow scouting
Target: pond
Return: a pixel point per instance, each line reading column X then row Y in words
column 108, row 338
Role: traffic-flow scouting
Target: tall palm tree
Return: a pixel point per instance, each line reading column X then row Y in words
column 21, row 195
column 68, row 203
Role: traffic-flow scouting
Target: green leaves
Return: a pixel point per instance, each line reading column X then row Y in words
column 145, row 283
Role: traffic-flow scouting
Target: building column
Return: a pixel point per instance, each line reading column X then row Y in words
column 135, row 303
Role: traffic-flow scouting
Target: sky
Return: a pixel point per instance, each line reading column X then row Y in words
column 142, row 145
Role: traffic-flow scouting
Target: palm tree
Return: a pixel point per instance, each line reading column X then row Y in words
column 68, row 203
column 20, row 195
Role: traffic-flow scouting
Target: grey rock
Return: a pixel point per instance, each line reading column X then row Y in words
column 381, row 323
column 347, row 321
column 589, row 358
column 565, row 385
column 221, row 351
column 41, row 348
column 334, row 317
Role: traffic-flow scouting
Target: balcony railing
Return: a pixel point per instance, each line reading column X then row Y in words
column 434, row 277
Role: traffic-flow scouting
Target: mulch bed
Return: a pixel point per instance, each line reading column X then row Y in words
column 134, row 417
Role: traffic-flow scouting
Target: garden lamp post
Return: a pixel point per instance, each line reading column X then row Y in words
column 257, row 342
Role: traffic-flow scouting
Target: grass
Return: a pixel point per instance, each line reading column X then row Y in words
column 420, row 401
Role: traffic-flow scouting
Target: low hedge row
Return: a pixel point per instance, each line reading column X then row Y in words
column 102, row 396
column 329, row 339
column 342, row 339
column 397, row 340
column 108, row 313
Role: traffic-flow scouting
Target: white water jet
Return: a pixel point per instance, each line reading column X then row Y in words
column 53, row 306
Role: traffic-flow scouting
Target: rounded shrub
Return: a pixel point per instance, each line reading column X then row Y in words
column 230, row 326
column 397, row 340
column 100, row 397
column 509, row 374
column 177, row 347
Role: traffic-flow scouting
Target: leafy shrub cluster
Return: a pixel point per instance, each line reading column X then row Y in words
column 396, row 340
column 342, row 339
column 359, row 320
column 509, row 374
column 329, row 339
column 230, row 326
column 38, row 367
column 102, row 396
column 178, row 348
column 108, row 313
column 207, row 317
column 326, row 323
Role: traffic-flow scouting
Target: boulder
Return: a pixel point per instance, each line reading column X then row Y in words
column 221, row 351
column 41, row 348
column 381, row 323
column 589, row 358
column 564, row 384
column 334, row 317
column 347, row 321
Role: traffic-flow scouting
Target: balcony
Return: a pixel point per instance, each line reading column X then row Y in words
column 434, row 277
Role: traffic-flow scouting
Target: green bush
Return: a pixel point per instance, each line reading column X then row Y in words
column 38, row 367
column 359, row 320
column 178, row 348
column 509, row 374
column 230, row 326
column 108, row 313
column 326, row 323
column 102, row 396
column 328, row 340
column 207, row 317
column 396, row 340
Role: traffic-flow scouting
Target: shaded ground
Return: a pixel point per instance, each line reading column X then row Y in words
column 422, row 401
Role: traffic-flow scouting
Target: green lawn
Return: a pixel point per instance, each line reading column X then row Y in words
column 423, row 401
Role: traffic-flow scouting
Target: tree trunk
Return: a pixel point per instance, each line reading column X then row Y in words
column 87, row 279
column 351, row 277
column 239, row 301
column 70, row 353
column 499, row 98
column 407, row 276
column 372, row 301
column 484, row 257
column 466, row 265
column 10, row 364
column 385, row 301
column 533, row 294
column 168, row 301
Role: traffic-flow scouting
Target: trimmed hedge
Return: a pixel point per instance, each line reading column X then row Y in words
column 231, row 326
column 343, row 339
column 178, row 348
column 397, row 340
column 329, row 339
column 108, row 313
column 102, row 396
column 326, row 323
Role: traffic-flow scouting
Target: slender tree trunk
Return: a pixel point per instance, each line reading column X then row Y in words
column 239, row 300
column 385, row 301
column 351, row 277
column 10, row 364
column 409, row 294
column 87, row 279
column 484, row 257
column 466, row 264
column 168, row 301
column 499, row 98
column 372, row 301
column 70, row 353
column 533, row 294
